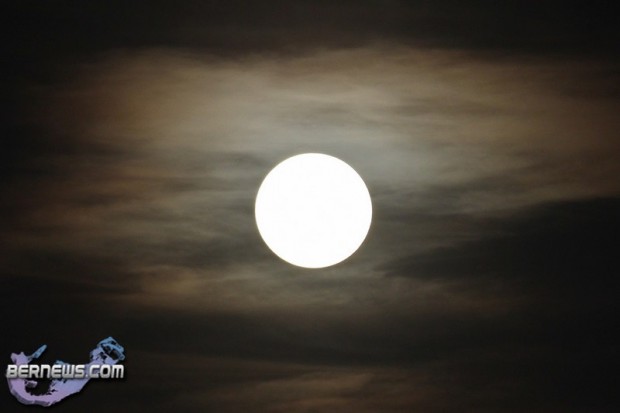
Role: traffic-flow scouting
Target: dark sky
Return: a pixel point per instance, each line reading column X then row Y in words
column 136, row 135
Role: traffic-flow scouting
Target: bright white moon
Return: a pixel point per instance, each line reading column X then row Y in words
column 313, row 210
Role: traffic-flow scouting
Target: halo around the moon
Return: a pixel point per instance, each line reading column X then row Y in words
column 313, row 210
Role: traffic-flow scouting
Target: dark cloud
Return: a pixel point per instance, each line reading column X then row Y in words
column 233, row 26
column 563, row 247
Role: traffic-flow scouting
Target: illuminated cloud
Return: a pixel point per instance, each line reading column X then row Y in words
column 486, row 282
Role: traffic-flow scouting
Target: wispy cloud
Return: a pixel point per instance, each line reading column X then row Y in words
column 139, row 200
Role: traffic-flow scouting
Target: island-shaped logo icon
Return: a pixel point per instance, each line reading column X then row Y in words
column 45, row 385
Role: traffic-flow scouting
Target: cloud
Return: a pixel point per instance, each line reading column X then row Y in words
column 152, row 159
column 133, row 201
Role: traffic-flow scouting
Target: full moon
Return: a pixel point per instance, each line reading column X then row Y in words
column 313, row 210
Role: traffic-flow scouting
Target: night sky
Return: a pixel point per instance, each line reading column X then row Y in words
column 135, row 137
